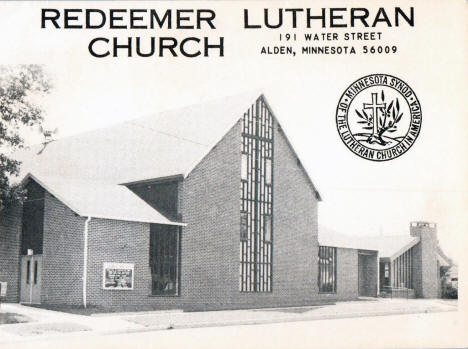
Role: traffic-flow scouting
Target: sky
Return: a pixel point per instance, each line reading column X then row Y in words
column 360, row 197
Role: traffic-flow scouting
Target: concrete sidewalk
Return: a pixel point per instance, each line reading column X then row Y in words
column 47, row 323
column 376, row 307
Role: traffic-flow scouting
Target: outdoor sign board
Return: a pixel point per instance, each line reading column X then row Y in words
column 3, row 289
column 118, row 276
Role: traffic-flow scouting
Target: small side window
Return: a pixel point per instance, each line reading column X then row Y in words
column 268, row 228
column 268, row 171
column 28, row 272
column 243, row 227
column 35, row 272
column 244, row 167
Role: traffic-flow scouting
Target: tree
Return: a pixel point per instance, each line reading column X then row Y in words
column 19, row 85
column 448, row 291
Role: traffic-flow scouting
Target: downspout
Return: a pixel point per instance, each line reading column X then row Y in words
column 85, row 259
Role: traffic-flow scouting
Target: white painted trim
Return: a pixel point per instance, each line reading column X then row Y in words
column 30, row 175
column 176, row 177
column 140, row 221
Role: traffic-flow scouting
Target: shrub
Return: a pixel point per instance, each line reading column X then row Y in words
column 449, row 292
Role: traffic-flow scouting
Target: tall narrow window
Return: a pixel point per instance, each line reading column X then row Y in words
column 267, row 228
column 256, row 206
column 387, row 274
column 35, row 272
column 244, row 166
column 268, row 170
column 244, row 226
column 402, row 266
column 164, row 259
column 327, row 269
column 28, row 272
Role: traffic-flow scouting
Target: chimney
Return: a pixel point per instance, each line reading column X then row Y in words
column 425, row 267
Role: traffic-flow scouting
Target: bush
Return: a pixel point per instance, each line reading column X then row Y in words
column 449, row 292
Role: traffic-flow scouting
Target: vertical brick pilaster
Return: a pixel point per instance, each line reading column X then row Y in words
column 10, row 242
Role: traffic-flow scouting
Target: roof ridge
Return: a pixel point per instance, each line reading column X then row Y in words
column 331, row 231
column 167, row 134
column 246, row 93
column 154, row 115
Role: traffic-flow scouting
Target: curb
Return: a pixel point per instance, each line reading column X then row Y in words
column 150, row 312
column 170, row 326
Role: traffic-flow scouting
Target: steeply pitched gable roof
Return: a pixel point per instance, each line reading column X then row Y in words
column 101, row 200
column 167, row 144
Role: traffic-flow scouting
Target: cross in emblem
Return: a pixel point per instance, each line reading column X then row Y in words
column 374, row 106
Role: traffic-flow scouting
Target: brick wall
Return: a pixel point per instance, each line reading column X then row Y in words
column 347, row 286
column 210, row 205
column 295, row 228
column 10, row 243
column 62, row 261
column 417, row 270
column 367, row 273
column 373, row 275
column 122, row 242
column 210, row 242
column 426, row 279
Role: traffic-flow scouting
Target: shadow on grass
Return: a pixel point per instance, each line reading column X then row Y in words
column 12, row 318
column 92, row 309
column 79, row 310
column 298, row 310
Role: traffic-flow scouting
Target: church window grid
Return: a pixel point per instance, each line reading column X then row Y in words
column 164, row 259
column 402, row 267
column 327, row 269
column 256, row 205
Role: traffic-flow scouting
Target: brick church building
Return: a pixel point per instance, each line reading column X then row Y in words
column 204, row 207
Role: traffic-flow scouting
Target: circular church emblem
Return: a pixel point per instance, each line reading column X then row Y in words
column 378, row 117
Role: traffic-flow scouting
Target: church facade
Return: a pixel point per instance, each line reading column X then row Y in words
column 201, row 208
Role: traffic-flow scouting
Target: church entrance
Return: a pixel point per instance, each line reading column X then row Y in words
column 367, row 274
column 31, row 275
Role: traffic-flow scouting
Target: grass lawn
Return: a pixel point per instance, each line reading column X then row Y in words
column 71, row 309
column 12, row 318
column 90, row 310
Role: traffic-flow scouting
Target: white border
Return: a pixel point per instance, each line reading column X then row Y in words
column 109, row 265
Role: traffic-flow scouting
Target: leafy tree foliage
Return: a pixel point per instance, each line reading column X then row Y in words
column 18, row 87
column 448, row 290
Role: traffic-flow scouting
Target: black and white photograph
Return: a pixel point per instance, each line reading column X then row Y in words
column 233, row 174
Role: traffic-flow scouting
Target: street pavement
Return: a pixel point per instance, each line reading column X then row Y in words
column 51, row 326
